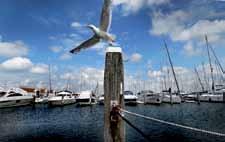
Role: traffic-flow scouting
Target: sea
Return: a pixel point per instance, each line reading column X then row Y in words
column 71, row 123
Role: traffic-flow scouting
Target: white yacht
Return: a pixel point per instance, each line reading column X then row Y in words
column 15, row 97
column 218, row 96
column 130, row 98
column 153, row 98
column 41, row 100
column 149, row 97
column 101, row 100
column 41, row 96
column 212, row 97
column 62, row 98
column 168, row 97
column 86, row 98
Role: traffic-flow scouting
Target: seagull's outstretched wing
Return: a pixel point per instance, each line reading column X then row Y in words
column 106, row 16
column 90, row 42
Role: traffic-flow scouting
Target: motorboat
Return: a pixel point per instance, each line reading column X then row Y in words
column 153, row 98
column 41, row 96
column 130, row 98
column 41, row 100
column 212, row 97
column 101, row 100
column 15, row 97
column 62, row 98
column 141, row 95
column 149, row 97
column 172, row 98
column 86, row 98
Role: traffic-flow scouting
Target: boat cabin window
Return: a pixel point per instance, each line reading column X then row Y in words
column 11, row 92
column 2, row 94
column 15, row 95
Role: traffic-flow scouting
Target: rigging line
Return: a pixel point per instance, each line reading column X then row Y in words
column 137, row 129
column 174, row 124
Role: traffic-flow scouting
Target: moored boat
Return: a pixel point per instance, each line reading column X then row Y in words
column 86, row 98
column 101, row 100
column 172, row 98
column 130, row 98
column 15, row 97
column 62, row 98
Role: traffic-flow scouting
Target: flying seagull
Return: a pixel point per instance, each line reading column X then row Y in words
column 100, row 33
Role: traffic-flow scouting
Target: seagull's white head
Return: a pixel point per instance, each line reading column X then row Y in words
column 92, row 27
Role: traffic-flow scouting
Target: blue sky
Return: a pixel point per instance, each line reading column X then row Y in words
column 36, row 33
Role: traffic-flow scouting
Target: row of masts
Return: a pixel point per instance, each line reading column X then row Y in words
column 166, row 78
column 209, row 48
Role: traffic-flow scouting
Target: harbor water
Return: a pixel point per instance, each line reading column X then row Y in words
column 80, row 124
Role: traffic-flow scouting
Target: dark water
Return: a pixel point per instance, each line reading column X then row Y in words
column 80, row 124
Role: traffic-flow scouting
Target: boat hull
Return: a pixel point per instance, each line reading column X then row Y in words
column 212, row 98
column 16, row 103
column 41, row 100
column 153, row 99
column 86, row 102
column 171, row 99
column 61, row 101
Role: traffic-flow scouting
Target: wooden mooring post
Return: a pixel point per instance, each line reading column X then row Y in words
column 114, row 130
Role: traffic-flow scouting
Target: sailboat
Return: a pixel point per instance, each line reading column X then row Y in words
column 167, row 95
column 62, row 98
column 42, row 99
column 215, row 94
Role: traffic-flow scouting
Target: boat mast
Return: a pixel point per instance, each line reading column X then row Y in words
column 49, row 77
column 196, row 71
column 217, row 60
column 67, row 84
column 206, row 79
column 171, row 64
column 211, row 68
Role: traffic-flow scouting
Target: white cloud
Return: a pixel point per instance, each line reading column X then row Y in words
column 65, row 56
column 177, row 26
column 23, row 64
column 157, row 2
column 185, row 77
column 155, row 73
column 56, row 49
column 52, row 37
column 39, row 69
column 188, row 28
column 189, row 50
column 76, row 25
column 13, row 49
column 171, row 24
column 16, row 64
column 135, row 57
column 85, row 78
column 132, row 6
column 214, row 29
column 129, row 6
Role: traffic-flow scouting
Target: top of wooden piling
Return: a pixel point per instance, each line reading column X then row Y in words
column 114, row 49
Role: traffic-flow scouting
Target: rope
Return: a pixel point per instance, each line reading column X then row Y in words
column 137, row 129
column 174, row 124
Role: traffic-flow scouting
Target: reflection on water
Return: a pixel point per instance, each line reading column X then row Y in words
column 71, row 123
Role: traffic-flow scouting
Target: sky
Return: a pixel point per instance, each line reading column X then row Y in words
column 35, row 34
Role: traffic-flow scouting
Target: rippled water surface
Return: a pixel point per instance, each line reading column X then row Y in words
column 80, row 124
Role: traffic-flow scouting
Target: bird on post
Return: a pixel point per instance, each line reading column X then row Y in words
column 100, row 33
